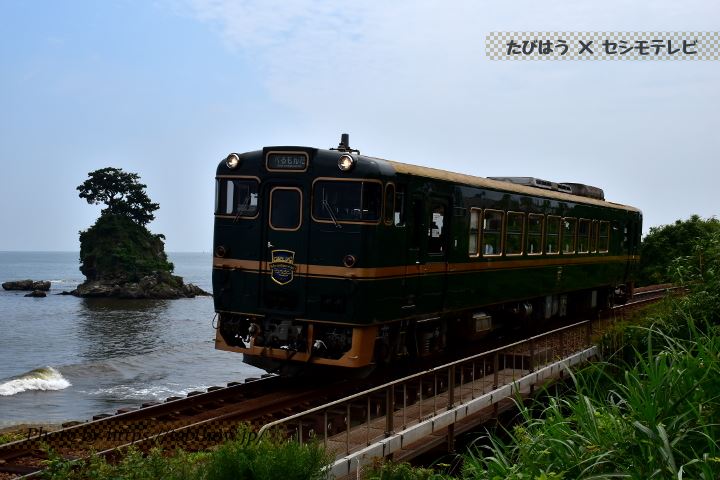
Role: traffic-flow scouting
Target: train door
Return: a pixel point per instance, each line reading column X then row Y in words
column 631, row 243
column 432, row 258
column 285, row 247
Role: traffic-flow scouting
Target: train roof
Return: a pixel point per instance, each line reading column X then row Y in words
column 483, row 182
column 580, row 193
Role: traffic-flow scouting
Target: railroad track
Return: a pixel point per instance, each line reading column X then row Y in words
column 196, row 422
column 652, row 293
column 202, row 419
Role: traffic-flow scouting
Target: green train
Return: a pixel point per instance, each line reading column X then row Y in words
column 330, row 258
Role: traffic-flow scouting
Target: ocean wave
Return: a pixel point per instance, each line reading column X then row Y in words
column 144, row 392
column 46, row 378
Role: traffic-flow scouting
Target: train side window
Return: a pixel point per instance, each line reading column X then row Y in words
column 436, row 230
column 492, row 223
column 371, row 201
column 399, row 215
column 474, row 233
column 389, row 211
column 514, row 233
column 569, row 229
column 535, row 234
column 604, row 237
column 593, row 236
column 217, row 195
column 583, row 235
column 552, row 236
column 285, row 208
column 345, row 201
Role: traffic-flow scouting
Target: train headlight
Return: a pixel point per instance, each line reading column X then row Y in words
column 346, row 163
column 232, row 160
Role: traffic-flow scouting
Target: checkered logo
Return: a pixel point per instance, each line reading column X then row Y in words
column 643, row 46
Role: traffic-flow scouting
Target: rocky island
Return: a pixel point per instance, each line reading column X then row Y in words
column 33, row 285
column 119, row 256
column 37, row 288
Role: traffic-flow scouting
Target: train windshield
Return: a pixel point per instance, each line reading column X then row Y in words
column 347, row 201
column 236, row 197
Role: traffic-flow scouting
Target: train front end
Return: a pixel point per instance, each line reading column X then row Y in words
column 284, row 256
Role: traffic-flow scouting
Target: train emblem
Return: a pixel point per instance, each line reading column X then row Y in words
column 282, row 266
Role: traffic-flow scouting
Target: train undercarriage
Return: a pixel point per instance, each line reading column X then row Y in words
column 289, row 346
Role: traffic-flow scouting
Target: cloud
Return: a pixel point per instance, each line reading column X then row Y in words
column 413, row 80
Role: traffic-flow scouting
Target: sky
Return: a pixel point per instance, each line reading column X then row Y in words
column 168, row 88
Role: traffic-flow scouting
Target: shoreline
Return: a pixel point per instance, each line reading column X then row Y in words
column 25, row 426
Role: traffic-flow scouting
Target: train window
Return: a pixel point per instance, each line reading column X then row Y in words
column 604, row 237
column 240, row 198
column 569, row 227
column 399, row 216
column 552, row 235
column 436, row 230
column 389, row 204
column 347, row 201
column 217, row 195
column 535, row 234
column 285, row 208
column 583, row 237
column 230, row 200
column 514, row 232
column 474, row 234
column 593, row 236
column 492, row 233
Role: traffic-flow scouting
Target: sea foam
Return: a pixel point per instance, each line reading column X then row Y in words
column 46, row 378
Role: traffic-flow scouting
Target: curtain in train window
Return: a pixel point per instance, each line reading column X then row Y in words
column 552, row 237
column 583, row 236
column 569, row 226
column 492, row 223
column 593, row 236
column 399, row 214
column 437, row 230
column 604, row 237
column 535, row 232
column 474, row 234
column 514, row 233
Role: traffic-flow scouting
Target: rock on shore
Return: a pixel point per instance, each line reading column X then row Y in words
column 28, row 285
column 37, row 294
column 159, row 285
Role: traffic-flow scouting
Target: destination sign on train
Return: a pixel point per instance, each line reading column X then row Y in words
column 287, row 161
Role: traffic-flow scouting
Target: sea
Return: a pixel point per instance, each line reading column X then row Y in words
column 65, row 358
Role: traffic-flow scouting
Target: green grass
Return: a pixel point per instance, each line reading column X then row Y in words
column 660, row 418
column 10, row 437
column 268, row 458
column 657, row 417
column 401, row 471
